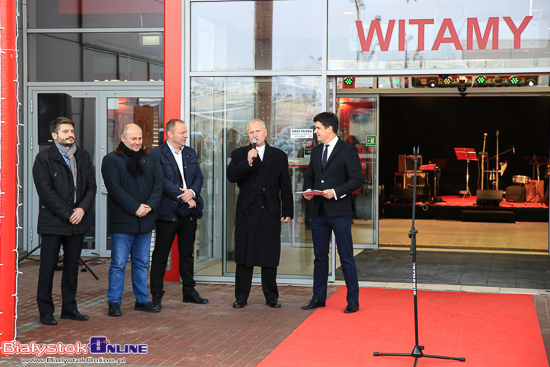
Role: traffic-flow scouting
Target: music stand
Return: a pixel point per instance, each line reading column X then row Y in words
column 466, row 154
column 536, row 161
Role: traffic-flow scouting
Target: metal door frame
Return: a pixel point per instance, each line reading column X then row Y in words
column 30, row 150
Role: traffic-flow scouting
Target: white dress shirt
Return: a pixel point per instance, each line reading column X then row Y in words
column 179, row 161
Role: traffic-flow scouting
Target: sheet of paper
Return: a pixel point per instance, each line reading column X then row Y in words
column 314, row 192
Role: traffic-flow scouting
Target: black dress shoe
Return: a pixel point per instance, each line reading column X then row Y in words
column 157, row 299
column 273, row 303
column 74, row 315
column 240, row 303
column 195, row 297
column 314, row 304
column 146, row 306
column 351, row 307
column 114, row 309
column 48, row 320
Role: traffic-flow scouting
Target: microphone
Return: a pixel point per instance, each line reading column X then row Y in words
column 485, row 135
column 254, row 141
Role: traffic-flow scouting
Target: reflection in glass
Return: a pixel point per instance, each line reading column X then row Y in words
column 88, row 57
column 259, row 35
column 358, row 127
column 148, row 113
column 220, row 111
column 95, row 14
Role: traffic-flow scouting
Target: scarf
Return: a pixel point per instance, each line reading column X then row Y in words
column 68, row 155
column 134, row 165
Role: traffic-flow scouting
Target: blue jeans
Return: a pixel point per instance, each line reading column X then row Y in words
column 122, row 245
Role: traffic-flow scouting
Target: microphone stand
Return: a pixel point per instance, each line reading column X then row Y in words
column 417, row 350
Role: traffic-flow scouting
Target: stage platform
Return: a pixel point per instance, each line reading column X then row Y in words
column 466, row 209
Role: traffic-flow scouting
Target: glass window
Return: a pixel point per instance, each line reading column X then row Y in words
column 96, row 14
column 370, row 35
column 259, row 35
column 220, row 111
column 88, row 57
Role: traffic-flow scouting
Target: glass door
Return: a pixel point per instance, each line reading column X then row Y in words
column 118, row 109
column 45, row 106
column 358, row 115
column 99, row 117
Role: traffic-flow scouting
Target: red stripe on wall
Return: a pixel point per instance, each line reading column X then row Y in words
column 172, row 88
column 8, row 172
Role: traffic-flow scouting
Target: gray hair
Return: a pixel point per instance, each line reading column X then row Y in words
column 257, row 120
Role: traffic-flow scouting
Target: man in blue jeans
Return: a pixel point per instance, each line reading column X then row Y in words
column 134, row 182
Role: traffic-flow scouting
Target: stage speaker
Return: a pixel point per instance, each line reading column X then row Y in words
column 516, row 194
column 405, row 180
column 489, row 197
column 406, row 162
column 401, row 195
column 50, row 107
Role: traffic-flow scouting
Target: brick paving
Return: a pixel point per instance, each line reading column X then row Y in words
column 182, row 334
column 185, row 334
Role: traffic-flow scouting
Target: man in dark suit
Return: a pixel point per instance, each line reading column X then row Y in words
column 265, row 200
column 179, row 209
column 334, row 169
column 65, row 182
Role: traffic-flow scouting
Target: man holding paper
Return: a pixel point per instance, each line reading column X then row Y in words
column 334, row 169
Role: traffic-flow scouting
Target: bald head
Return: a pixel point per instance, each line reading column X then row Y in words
column 132, row 137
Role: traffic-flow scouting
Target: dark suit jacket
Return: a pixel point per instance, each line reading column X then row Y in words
column 342, row 173
column 127, row 193
column 265, row 195
column 170, row 206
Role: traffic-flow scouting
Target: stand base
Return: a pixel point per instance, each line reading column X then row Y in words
column 417, row 353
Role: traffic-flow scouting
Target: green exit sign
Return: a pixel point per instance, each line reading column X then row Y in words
column 371, row 140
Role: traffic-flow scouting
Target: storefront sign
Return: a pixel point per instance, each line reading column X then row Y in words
column 447, row 27
column 397, row 37
column 301, row 133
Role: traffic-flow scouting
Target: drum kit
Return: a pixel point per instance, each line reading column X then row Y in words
column 521, row 180
column 536, row 162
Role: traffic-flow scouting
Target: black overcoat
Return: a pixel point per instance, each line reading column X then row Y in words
column 265, row 195
column 54, row 184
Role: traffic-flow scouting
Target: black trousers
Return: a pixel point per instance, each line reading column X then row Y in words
column 185, row 228
column 49, row 255
column 243, row 282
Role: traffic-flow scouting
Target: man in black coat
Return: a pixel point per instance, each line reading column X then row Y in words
column 180, row 208
column 65, row 182
column 134, row 184
column 334, row 169
column 265, row 200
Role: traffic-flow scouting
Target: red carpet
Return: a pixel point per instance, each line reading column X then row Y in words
column 489, row 330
